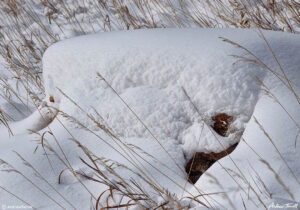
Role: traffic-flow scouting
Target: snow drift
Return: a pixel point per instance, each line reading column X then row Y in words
column 148, row 70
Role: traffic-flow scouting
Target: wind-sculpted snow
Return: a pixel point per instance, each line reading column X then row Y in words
column 149, row 69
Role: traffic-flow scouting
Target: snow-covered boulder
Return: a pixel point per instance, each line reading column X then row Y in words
column 148, row 69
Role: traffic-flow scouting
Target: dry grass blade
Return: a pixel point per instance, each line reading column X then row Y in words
column 17, row 197
column 277, row 150
column 109, row 144
column 118, row 206
column 228, row 155
column 277, row 177
column 5, row 123
column 269, row 93
column 42, row 178
column 59, row 176
column 140, row 120
column 280, row 67
column 10, row 168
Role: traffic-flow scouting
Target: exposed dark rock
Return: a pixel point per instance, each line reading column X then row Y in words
column 222, row 123
column 202, row 161
column 51, row 99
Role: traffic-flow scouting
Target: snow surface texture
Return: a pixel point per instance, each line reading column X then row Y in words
column 256, row 146
column 148, row 69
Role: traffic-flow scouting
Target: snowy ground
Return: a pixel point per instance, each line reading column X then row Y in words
column 148, row 69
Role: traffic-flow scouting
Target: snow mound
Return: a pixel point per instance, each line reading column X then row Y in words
column 148, row 70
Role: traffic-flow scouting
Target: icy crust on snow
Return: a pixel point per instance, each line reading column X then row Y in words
column 148, row 69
